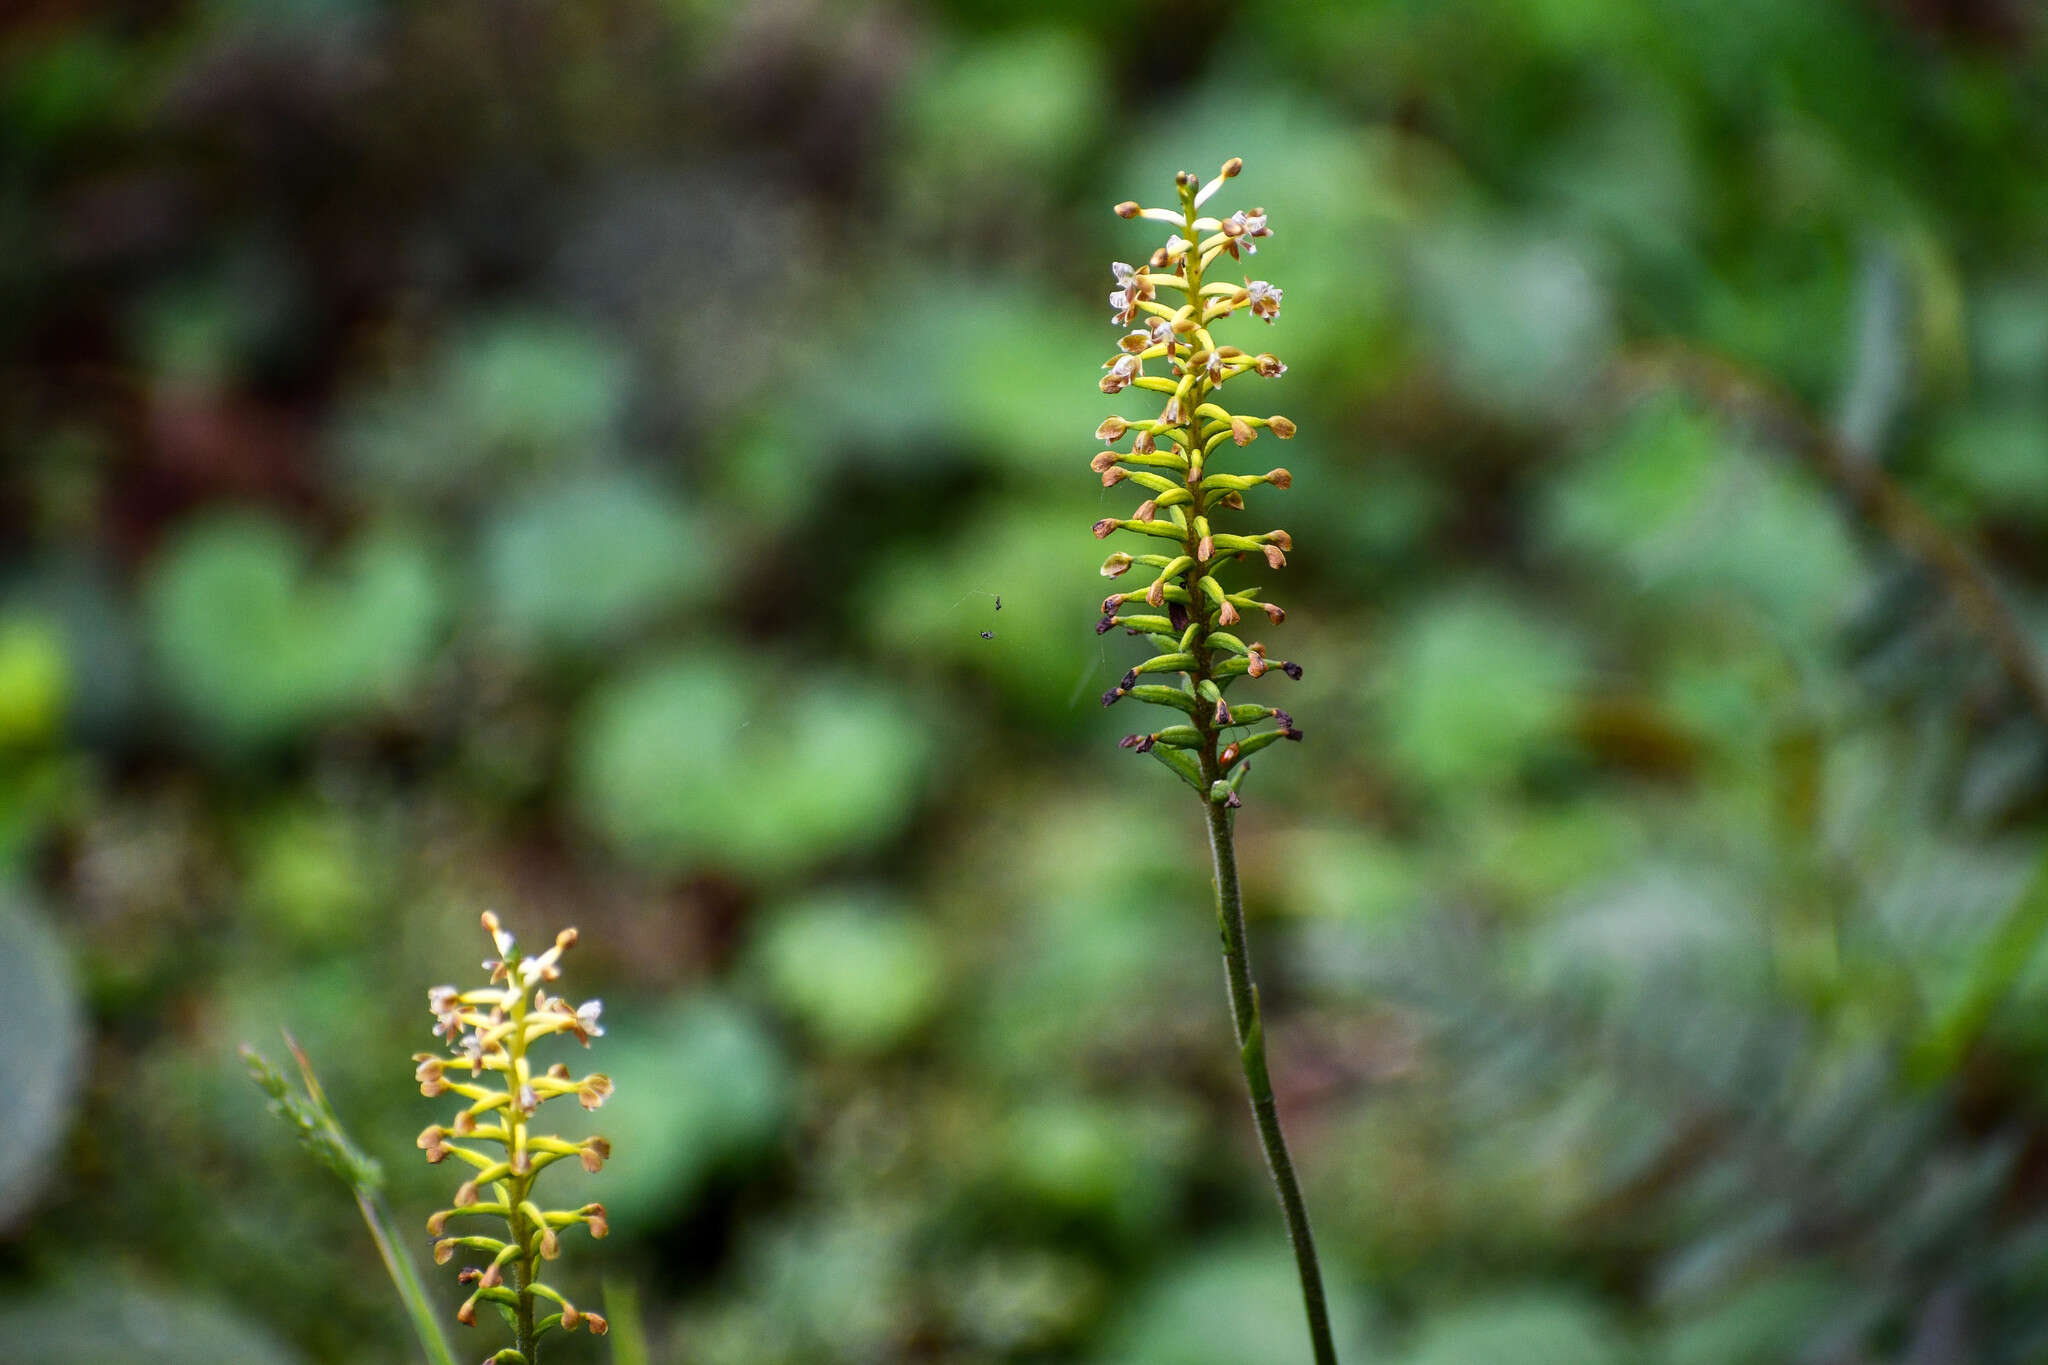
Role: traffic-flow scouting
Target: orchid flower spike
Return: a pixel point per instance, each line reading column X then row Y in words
column 1187, row 607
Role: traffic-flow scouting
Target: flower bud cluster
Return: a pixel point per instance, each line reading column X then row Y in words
column 1186, row 611
column 490, row 1031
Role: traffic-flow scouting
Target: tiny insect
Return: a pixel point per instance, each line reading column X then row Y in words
column 988, row 635
column 999, row 601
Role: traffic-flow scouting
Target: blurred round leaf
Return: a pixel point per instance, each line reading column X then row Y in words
column 698, row 1087
column 518, row 390
column 1765, row 1323
column 701, row 760
column 575, row 564
column 99, row 1324
column 1233, row 1305
column 40, row 1074
column 1480, row 685
column 308, row 873
column 34, row 680
column 1996, row 457
column 937, row 601
column 1116, row 1165
column 1538, row 1329
column 1685, row 510
column 254, row 647
column 1523, row 323
column 859, row 975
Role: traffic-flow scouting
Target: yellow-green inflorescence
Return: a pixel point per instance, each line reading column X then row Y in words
column 491, row 1031
column 1193, row 619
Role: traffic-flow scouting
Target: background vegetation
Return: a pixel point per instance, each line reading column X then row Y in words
column 562, row 458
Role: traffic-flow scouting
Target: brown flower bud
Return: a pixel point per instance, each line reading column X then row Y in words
column 1275, row 558
column 1232, row 167
column 1146, row 510
column 1127, row 209
column 1116, row 566
column 1280, row 538
column 1291, row 669
column 1104, row 527
column 1279, row 478
column 1226, row 615
column 465, row 1194
column 1112, row 429
column 1281, row 427
column 1275, row 614
column 1103, row 461
column 1114, row 475
column 1205, row 549
column 1156, row 594
column 594, row 1218
column 444, row 1251
column 595, row 1324
column 1241, row 431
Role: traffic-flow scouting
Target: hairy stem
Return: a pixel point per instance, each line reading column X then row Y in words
column 1251, row 1043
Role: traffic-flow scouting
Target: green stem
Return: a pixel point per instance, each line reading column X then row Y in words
column 426, row 1324
column 1244, row 1012
column 522, row 1280
column 518, row 1189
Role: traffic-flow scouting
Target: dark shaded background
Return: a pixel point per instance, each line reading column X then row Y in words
column 562, row 458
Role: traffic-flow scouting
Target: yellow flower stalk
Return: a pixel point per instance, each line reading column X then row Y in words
column 491, row 1031
column 1189, row 612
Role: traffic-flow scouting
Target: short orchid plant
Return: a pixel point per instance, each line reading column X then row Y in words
column 491, row 1032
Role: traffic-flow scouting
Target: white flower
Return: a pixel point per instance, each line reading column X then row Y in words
column 1122, row 372
column 586, row 1019
column 1248, row 225
column 1265, row 299
column 1123, row 308
column 1161, row 333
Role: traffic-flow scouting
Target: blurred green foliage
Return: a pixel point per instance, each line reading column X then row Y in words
column 566, row 459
